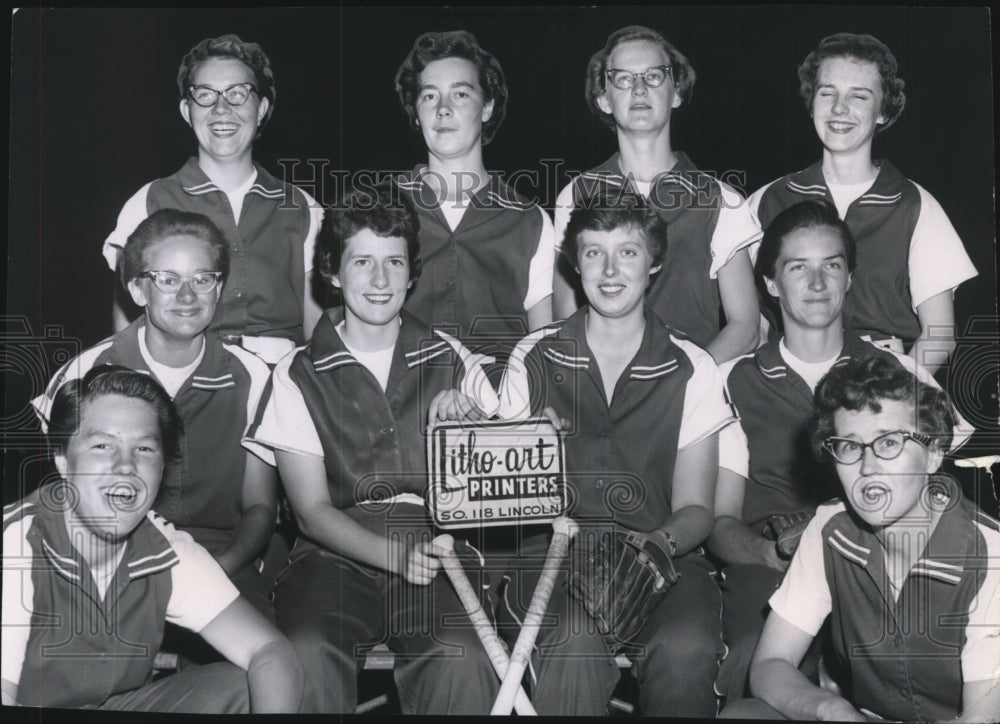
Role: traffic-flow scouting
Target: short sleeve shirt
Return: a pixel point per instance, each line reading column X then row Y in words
column 621, row 456
column 771, row 446
column 204, row 488
column 908, row 657
column 58, row 646
column 708, row 222
column 271, row 246
column 326, row 405
column 481, row 277
column 907, row 249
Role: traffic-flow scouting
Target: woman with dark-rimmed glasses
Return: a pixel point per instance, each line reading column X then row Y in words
column 227, row 93
column 634, row 85
column 905, row 568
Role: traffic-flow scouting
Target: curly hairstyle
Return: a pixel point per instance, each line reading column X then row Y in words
column 379, row 208
column 859, row 47
column 863, row 383
column 681, row 71
column 609, row 213
column 452, row 44
column 230, row 46
column 68, row 404
column 163, row 224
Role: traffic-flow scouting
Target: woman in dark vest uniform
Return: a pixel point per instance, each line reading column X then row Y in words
column 634, row 85
column 910, row 260
column 227, row 93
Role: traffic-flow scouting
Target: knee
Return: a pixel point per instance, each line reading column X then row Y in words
column 229, row 687
column 749, row 586
column 460, row 649
column 749, row 709
column 687, row 623
column 696, row 643
column 318, row 648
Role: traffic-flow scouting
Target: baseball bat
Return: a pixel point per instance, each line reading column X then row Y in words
column 563, row 529
column 484, row 629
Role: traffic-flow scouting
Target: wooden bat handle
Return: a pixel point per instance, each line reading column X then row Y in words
column 564, row 529
column 484, row 629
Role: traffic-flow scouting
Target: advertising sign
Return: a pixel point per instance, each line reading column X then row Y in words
column 496, row 473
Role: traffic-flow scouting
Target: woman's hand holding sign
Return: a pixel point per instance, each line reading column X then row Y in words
column 453, row 406
column 561, row 424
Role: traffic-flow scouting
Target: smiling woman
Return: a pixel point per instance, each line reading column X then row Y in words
column 227, row 94
column 346, row 419
column 910, row 259
column 112, row 431
column 113, row 464
column 175, row 266
column 178, row 284
column 645, row 406
column 224, row 109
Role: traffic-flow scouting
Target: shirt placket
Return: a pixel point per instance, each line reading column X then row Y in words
column 450, row 293
column 389, row 434
column 98, row 617
column 605, row 432
column 897, row 687
column 236, row 280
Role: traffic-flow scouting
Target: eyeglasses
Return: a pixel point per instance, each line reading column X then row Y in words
column 170, row 283
column 652, row 77
column 235, row 95
column 887, row 446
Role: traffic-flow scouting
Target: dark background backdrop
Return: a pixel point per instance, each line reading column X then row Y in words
column 94, row 117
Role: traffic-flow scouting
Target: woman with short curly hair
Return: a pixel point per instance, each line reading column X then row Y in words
column 910, row 259
column 227, row 92
column 487, row 251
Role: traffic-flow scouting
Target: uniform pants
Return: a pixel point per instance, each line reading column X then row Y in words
column 746, row 590
column 330, row 608
column 675, row 655
column 751, row 709
column 213, row 689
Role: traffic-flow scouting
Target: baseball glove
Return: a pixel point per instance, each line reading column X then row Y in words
column 620, row 576
column 785, row 529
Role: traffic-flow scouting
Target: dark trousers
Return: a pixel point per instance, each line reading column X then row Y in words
column 220, row 688
column 331, row 609
column 675, row 655
column 751, row 709
column 746, row 590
